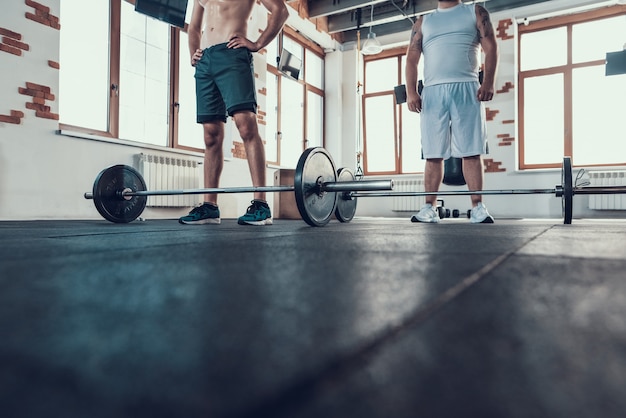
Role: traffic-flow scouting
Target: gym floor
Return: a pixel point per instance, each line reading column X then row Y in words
column 372, row 318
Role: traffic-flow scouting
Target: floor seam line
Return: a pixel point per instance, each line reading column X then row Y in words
column 306, row 387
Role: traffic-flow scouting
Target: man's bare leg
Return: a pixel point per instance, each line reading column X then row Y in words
column 433, row 176
column 255, row 151
column 213, row 157
column 474, row 173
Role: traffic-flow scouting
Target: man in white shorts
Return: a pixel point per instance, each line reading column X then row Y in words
column 452, row 112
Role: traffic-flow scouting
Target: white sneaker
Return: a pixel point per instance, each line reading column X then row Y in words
column 480, row 215
column 427, row 214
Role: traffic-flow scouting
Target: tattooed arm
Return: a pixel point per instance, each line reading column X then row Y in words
column 413, row 55
column 490, row 47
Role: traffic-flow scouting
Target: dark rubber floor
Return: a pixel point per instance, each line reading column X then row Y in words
column 373, row 318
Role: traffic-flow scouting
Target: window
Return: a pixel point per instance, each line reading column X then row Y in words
column 144, row 78
column 133, row 75
column 391, row 134
column 87, row 70
column 190, row 134
column 294, row 114
column 567, row 105
column 121, row 76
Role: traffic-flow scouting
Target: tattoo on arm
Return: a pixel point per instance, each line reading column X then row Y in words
column 485, row 28
column 416, row 37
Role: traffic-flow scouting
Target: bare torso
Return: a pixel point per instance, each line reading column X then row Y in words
column 224, row 19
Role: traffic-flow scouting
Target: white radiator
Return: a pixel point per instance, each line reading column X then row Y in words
column 408, row 203
column 607, row 179
column 169, row 173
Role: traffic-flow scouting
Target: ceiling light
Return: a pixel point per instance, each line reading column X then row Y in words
column 371, row 46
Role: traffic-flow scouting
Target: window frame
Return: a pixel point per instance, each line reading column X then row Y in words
column 398, row 110
column 567, row 21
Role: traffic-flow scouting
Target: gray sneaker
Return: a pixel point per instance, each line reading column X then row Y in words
column 480, row 215
column 200, row 215
column 427, row 214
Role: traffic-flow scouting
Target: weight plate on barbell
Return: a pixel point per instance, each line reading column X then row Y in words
column 315, row 167
column 568, row 190
column 107, row 194
column 346, row 204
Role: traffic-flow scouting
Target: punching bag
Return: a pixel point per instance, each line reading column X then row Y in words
column 453, row 172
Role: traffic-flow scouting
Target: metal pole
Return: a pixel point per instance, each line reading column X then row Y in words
column 357, row 186
column 460, row 192
column 210, row 190
column 600, row 190
column 343, row 186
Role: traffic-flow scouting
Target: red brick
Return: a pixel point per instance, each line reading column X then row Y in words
column 54, row 64
column 39, row 100
column 40, row 87
column 17, row 113
column 17, row 44
column 10, row 119
column 36, row 18
column 35, row 106
column 30, row 92
column 37, row 6
column 11, row 50
column 10, row 34
column 47, row 115
column 508, row 121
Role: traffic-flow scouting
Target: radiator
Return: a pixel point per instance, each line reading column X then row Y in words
column 408, row 203
column 169, row 173
column 607, row 201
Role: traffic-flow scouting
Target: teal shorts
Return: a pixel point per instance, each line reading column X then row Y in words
column 224, row 83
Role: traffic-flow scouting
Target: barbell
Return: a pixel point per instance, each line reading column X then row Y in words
column 119, row 192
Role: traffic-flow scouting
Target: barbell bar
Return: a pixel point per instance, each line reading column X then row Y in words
column 120, row 195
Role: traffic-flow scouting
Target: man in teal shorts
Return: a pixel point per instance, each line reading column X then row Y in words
column 225, row 87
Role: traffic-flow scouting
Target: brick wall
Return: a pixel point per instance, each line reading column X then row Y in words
column 19, row 45
column 501, row 127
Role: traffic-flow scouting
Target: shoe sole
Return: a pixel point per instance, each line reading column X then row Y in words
column 414, row 219
column 210, row 221
column 256, row 223
column 487, row 220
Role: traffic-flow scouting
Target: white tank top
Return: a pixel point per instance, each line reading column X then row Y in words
column 450, row 45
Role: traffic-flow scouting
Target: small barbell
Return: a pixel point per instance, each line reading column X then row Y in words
column 565, row 191
column 119, row 192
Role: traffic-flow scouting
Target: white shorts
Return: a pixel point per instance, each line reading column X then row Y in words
column 453, row 121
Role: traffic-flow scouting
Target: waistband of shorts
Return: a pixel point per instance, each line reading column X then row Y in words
column 217, row 47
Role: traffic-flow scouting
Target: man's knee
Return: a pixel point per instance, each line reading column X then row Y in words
column 247, row 126
column 213, row 136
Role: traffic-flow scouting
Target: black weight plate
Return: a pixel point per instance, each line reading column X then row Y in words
column 107, row 194
column 315, row 166
column 568, row 190
column 346, row 204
